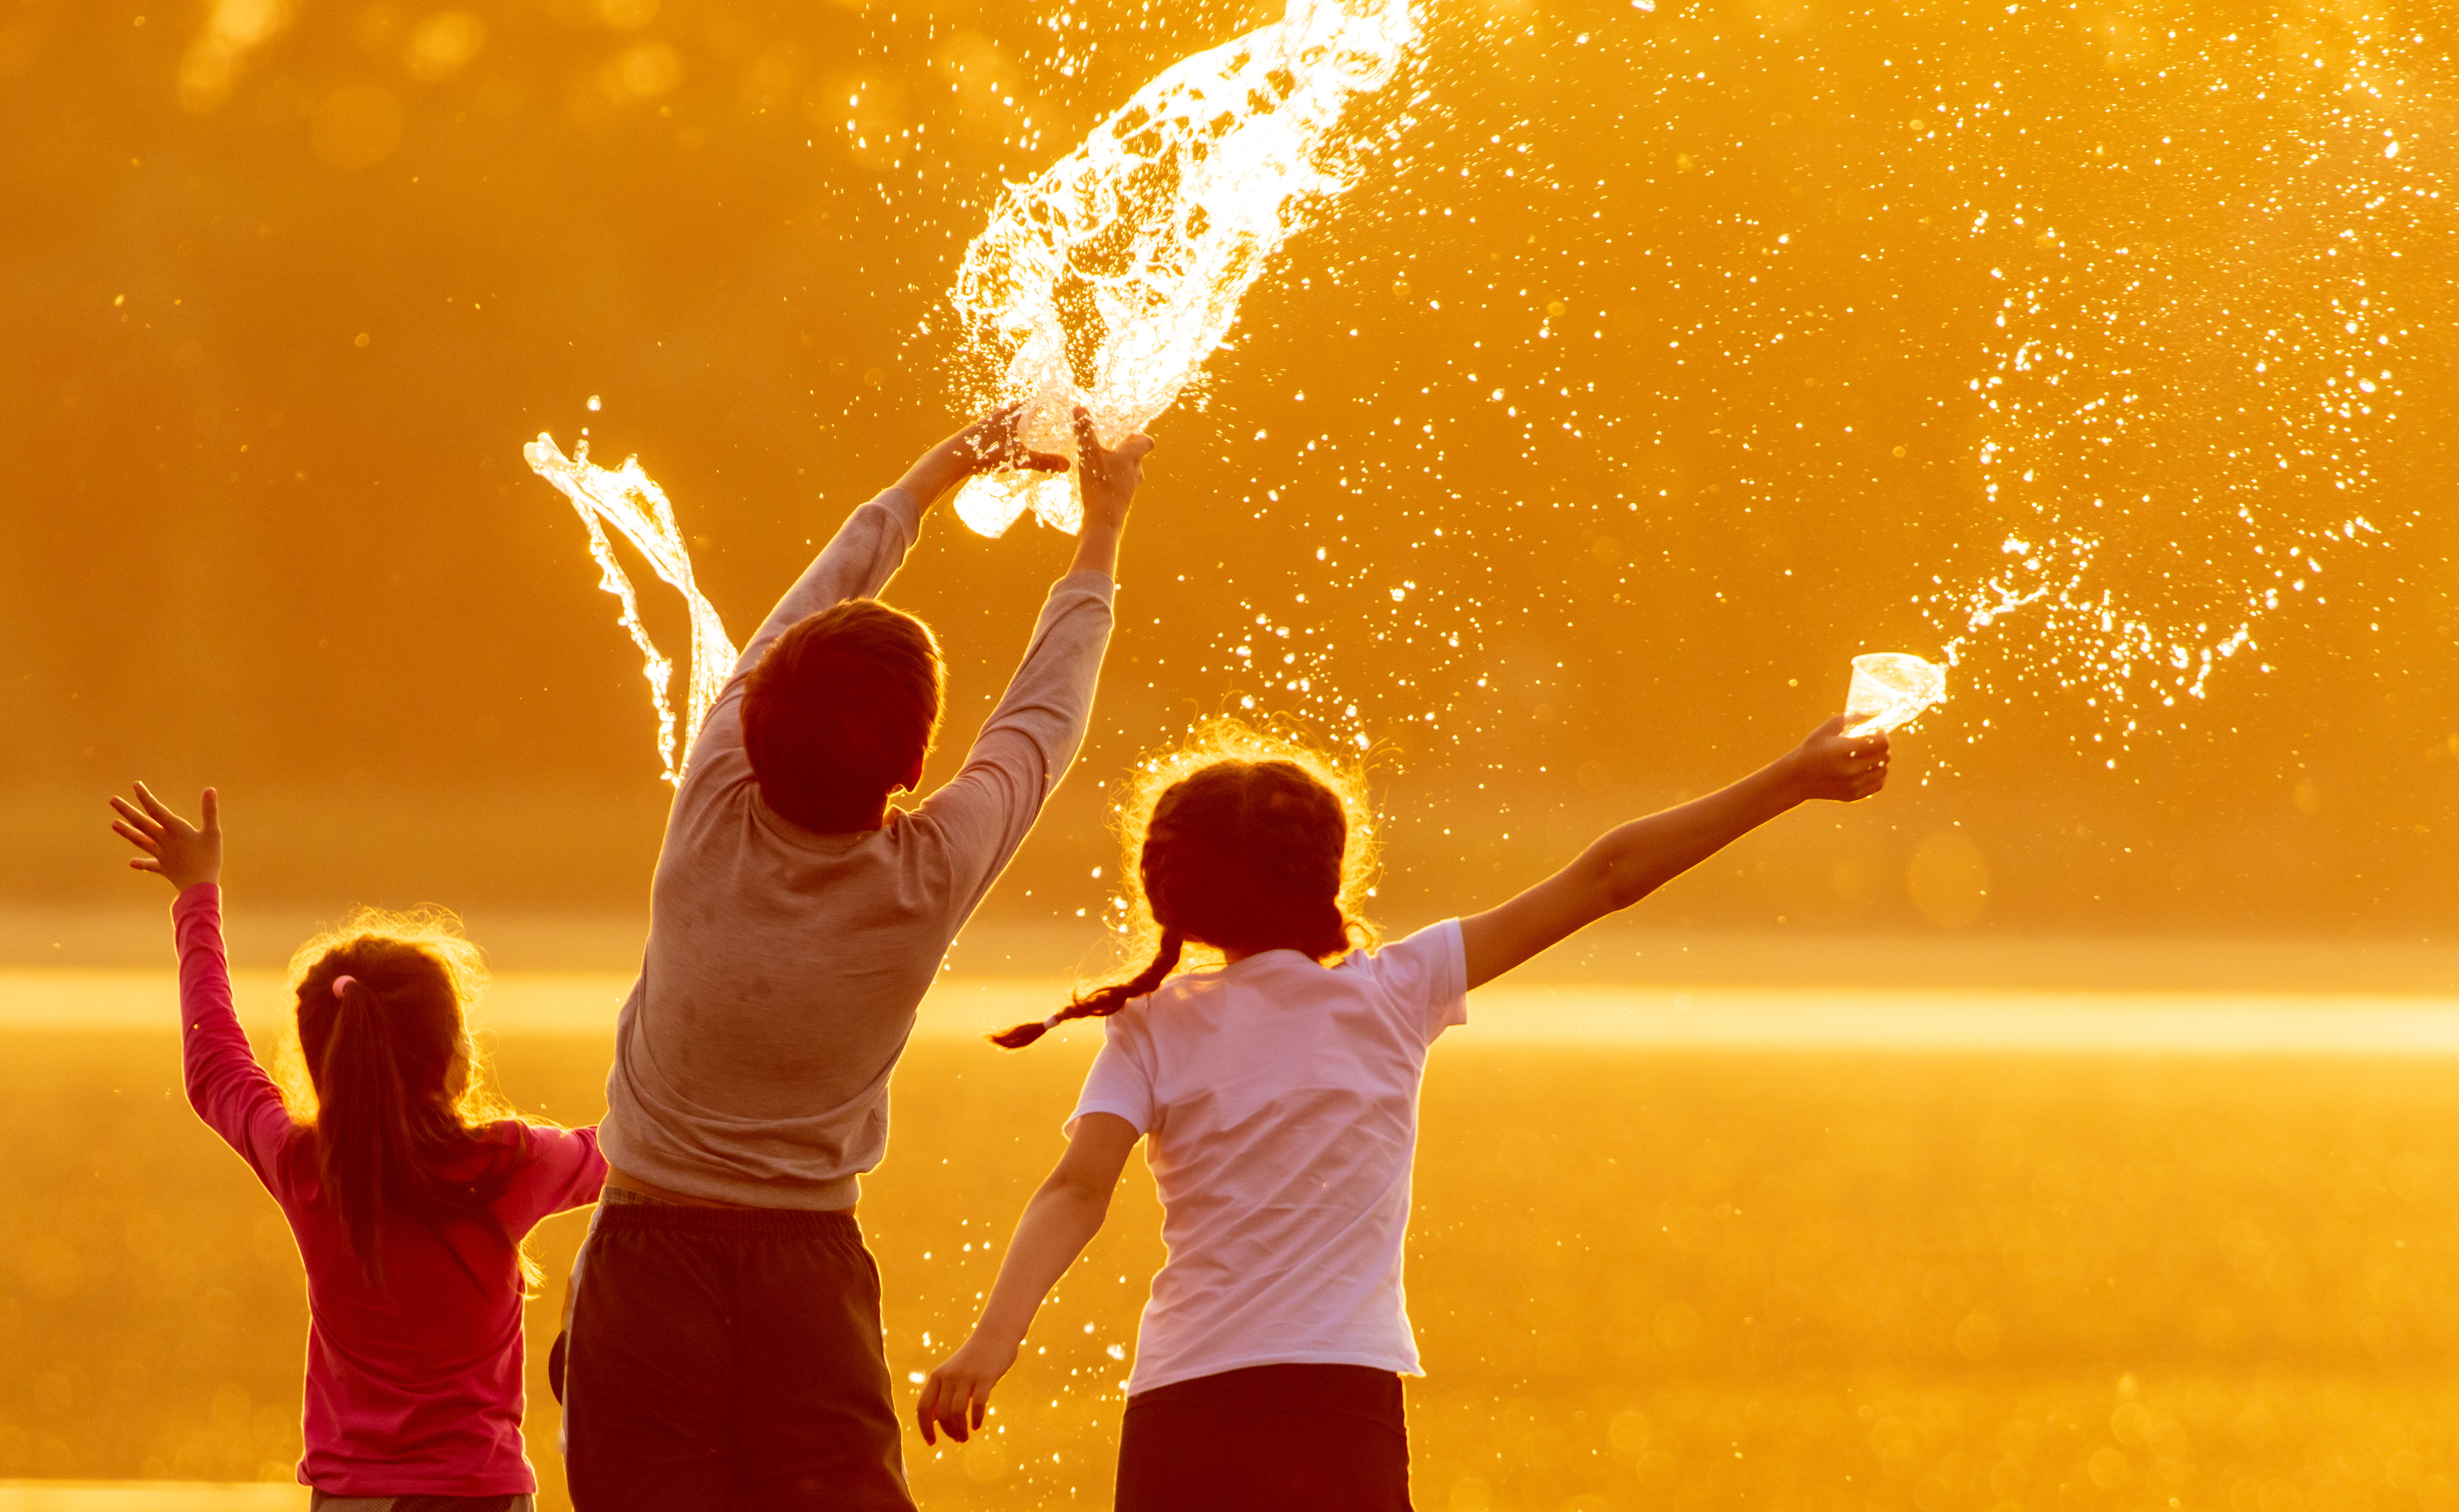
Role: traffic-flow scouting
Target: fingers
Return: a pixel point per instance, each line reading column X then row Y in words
column 136, row 837
column 155, row 808
column 942, row 1407
column 1088, row 441
column 129, row 816
column 1045, row 462
column 212, row 804
column 951, row 1412
column 1134, row 446
column 145, row 863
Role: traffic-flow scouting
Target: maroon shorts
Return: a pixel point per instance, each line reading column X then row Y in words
column 1288, row 1437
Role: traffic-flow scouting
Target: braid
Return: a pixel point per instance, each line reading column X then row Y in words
column 1103, row 1001
column 1244, row 856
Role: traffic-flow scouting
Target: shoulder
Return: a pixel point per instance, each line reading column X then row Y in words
column 1432, row 961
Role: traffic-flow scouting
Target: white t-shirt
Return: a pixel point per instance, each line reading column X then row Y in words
column 1279, row 1102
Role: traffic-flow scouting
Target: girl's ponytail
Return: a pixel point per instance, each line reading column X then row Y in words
column 1103, row 1001
column 365, row 1136
column 402, row 1139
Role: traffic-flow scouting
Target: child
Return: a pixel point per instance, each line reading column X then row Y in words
column 409, row 1194
column 726, row 1347
column 1280, row 1096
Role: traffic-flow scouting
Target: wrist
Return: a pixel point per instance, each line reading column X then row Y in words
column 936, row 471
column 994, row 1333
column 1788, row 780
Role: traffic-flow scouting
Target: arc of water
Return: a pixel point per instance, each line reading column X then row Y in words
column 1109, row 279
column 626, row 499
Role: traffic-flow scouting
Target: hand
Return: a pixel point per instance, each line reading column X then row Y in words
column 1108, row 479
column 987, row 445
column 1830, row 765
column 992, row 442
column 175, row 850
column 958, row 1395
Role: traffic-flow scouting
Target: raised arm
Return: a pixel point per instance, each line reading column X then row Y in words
column 1060, row 1221
column 1025, row 746
column 872, row 543
column 1633, row 860
column 868, row 548
column 226, row 1085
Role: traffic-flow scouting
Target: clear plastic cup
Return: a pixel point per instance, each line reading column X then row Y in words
column 1891, row 688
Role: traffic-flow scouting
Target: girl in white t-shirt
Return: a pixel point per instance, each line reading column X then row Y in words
column 1279, row 1095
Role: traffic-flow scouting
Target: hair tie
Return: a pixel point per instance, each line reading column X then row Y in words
column 1055, row 1020
column 340, row 983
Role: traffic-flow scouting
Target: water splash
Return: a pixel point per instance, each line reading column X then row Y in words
column 2171, row 398
column 1110, row 278
column 1890, row 689
column 637, row 508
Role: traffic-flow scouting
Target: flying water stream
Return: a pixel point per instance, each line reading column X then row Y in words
column 1109, row 278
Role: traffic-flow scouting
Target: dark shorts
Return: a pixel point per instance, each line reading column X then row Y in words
column 1284, row 1437
column 723, row 1358
column 324, row 1502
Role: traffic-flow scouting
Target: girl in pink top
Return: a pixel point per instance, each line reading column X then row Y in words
column 1278, row 1099
column 408, row 1196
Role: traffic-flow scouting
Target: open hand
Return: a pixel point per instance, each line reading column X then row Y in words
column 175, row 849
column 994, row 442
column 1828, row 763
column 1108, row 478
column 958, row 1395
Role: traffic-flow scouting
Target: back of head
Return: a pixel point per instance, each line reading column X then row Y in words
column 1240, row 854
column 840, row 712
column 1246, row 855
column 395, row 1076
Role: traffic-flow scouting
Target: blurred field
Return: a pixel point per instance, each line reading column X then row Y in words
column 1645, row 1273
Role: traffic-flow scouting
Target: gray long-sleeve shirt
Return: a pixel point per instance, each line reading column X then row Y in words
column 784, row 967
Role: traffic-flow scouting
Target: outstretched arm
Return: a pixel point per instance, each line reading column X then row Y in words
column 226, row 1085
column 1033, row 735
column 987, row 445
column 1633, row 860
column 1060, row 1221
column 866, row 552
column 872, row 543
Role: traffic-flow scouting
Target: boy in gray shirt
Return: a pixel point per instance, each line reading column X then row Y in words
column 724, row 1348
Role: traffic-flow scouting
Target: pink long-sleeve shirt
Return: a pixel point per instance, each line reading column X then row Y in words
column 415, row 1389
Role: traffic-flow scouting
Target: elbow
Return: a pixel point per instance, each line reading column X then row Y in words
column 1621, row 887
column 1086, row 1202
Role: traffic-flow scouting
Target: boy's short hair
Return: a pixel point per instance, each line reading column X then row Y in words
column 838, row 712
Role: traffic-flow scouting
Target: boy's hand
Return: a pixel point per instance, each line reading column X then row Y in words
column 992, row 442
column 175, row 850
column 1108, row 480
column 1830, row 765
column 958, row 1395
column 988, row 445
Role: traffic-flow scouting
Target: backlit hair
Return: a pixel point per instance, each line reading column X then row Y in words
column 1241, row 840
column 838, row 712
column 406, row 1128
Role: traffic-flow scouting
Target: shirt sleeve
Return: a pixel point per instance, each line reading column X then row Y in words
column 1426, row 977
column 985, row 812
column 226, row 1085
column 858, row 562
column 1119, row 1083
column 564, row 1172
